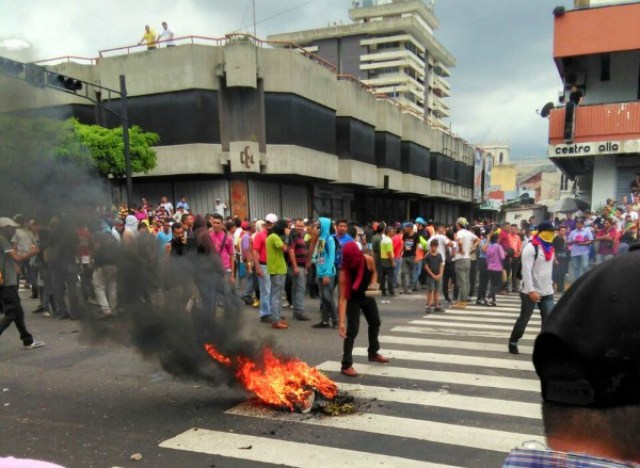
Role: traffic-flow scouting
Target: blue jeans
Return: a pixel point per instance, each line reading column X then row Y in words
column 526, row 309
column 396, row 272
column 264, row 283
column 406, row 272
column 249, row 286
column 416, row 273
column 328, row 304
column 298, row 286
column 277, row 286
column 580, row 265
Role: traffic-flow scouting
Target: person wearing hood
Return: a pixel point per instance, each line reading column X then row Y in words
column 537, row 281
column 326, row 273
column 357, row 276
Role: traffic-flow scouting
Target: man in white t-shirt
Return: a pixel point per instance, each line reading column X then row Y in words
column 220, row 207
column 167, row 205
column 466, row 241
column 166, row 35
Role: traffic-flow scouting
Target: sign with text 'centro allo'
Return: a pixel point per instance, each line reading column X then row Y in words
column 593, row 148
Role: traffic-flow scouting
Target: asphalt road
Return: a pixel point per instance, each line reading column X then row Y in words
column 451, row 396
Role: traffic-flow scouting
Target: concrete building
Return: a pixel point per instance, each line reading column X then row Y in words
column 268, row 130
column 391, row 46
column 597, row 48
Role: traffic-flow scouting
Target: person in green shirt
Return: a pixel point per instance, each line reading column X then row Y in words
column 277, row 269
column 387, row 262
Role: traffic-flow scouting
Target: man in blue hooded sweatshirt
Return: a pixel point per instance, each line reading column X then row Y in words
column 326, row 272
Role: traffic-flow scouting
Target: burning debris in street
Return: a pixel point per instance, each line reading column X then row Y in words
column 286, row 383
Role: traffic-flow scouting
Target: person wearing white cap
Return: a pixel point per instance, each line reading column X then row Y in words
column 10, row 305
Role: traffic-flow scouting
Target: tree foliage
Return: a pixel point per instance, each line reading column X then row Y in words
column 51, row 164
column 106, row 147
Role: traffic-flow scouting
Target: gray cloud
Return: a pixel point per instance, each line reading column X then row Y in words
column 503, row 48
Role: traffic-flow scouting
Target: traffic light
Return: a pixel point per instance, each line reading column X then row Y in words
column 63, row 82
column 10, row 67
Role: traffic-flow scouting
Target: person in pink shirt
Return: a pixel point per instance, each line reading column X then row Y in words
column 398, row 245
column 223, row 245
column 495, row 258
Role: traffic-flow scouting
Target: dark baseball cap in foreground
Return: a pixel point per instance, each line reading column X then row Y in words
column 588, row 352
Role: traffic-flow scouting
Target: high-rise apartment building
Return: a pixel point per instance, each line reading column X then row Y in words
column 391, row 46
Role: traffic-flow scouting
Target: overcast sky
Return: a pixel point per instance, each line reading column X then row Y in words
column 503, row 48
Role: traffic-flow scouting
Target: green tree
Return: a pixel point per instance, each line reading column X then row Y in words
column 106, row 147
column 51, row 165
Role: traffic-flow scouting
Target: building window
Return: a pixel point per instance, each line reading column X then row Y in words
column 501, row 158
column 605, row 67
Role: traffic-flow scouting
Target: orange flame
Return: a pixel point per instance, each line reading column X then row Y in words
column 278, row 382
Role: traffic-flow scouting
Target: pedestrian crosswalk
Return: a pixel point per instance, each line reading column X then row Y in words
column 451, row 396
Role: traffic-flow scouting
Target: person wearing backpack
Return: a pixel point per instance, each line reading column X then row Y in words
column 537, row 281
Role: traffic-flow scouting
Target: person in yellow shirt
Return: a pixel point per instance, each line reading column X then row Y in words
column 149, row 37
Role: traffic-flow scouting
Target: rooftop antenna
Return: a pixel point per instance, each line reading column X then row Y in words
column 253, row 4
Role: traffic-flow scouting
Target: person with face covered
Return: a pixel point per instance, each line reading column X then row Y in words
column 357, row 276
column 537, row 281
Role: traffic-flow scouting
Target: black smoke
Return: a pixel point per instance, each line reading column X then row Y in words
column 159, row 303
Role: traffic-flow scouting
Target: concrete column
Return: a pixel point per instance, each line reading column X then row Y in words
column 605, row 178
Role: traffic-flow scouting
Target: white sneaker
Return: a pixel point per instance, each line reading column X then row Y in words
column 34, row 345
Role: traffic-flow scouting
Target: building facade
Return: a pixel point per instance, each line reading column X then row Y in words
column 597, row 49
column 391, row 46
column 268, row 130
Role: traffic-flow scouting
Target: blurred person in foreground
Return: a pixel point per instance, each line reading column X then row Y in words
column 588, row 360
column 10, row 306
column 357, row 276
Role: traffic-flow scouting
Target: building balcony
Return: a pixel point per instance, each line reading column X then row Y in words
column 598, row 122
column 601, row 29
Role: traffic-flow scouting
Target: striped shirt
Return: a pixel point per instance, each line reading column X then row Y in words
column 544, row 458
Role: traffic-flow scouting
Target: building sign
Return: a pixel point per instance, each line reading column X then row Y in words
column 488, row 165
column 244, row 156
column 593, row 148
column 478, row 166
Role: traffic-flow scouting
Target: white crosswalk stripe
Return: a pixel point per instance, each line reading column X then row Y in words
column 451, row 384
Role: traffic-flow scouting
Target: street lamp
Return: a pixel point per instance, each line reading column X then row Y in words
column 41, row 77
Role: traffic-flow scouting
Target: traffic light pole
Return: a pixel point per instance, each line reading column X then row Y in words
column 125, row 136
column 41, row 77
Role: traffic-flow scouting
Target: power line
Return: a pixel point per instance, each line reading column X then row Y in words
column 284, row 12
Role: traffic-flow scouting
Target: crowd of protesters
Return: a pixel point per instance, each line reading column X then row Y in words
column 123, row 254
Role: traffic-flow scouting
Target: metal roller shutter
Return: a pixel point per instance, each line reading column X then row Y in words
column 264, row 198
column 202, row 194
column 295, row 201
